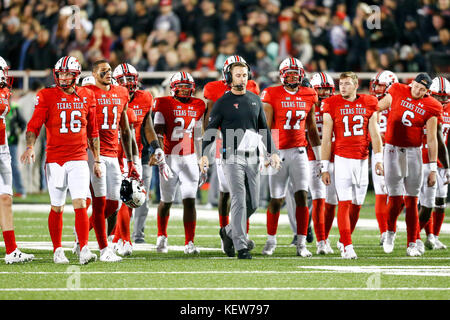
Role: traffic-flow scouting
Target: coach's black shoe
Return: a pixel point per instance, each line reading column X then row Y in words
column 228, row 245
column 244, row 254
column 309, row 235
column 139, row 240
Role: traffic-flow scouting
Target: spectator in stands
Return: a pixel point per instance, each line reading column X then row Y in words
column 339, row 42
column 133, row 54
column 207, row 58
column 208, row 19
column 143, row 19
column 226, row 49
column 443, row 46
column 271, row 47
column 410, row 34
column 229, row 18
column 321, row 44
column 10, row 48
column 118, row 15
column 167, row 19
column 101, row 38
column 42, row 53
column 81, row 42
column 188, row 60
column 172, row 61
column 285, row 35
column 188, row 12
column 49, row 19
column 28, row 34
column 153, row 57
column 358, row 39
column 372, row 61
column 247, row 46
column 302, row 48
column 386, row 36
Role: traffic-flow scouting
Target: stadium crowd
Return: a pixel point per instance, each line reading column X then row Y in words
column 197, row 35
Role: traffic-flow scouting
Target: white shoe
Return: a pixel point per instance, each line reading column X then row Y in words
column 108, row 255
column 420, row 246
column 412, row 251
column 439, row 245
column 340, row 246
column 349, row 252
column 382, row 238
column 59, row 256
column 321, row 247
column 161, row 244
column 190, row 248
column 110, row 238
column 76, row 248
column 87, row 256
column 328, row 246
column 430, row 243
column 117, row 246
column 18, row 256
column 388, row 244
column 126, row 249
column 302, row 251
column 269, row 247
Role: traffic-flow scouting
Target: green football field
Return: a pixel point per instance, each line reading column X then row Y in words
column 213, row 276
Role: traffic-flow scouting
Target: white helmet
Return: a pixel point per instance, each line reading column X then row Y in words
column 132, row 192
column 88, row 80
column 291, row 64
column 183, row 78
column 226, row 72
column 67, row 64
column 5, row 80
column 440, row 89
column 323, row 80
column 127, row 76
column 384, row 80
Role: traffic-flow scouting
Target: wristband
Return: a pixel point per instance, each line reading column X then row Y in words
column 325, row 164
column 433, row 166
column 378, row 157
column 316, row 151
column 136, row 159
column 30, row 147
column 97, row 161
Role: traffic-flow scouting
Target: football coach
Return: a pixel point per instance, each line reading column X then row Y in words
column 240, row 117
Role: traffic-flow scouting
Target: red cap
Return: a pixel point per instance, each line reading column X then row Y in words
column 340, row 15
column 165, row 3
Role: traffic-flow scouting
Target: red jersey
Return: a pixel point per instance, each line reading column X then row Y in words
column 351, row 124
column 179, row 121
column 141, row 105
column 69, row 120
column 319, row 125
column 110, row 105
column 408, row 116
column 215, row 89
column 289, row 114
column 5, row 94
column 445, row 123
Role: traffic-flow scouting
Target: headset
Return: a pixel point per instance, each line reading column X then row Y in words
column 229, row 77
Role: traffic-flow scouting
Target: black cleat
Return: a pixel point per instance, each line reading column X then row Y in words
column 228, row 245
column 294, row 240
column 309, row 235
column 244, row 254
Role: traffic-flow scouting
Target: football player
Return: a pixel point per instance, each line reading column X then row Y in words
column 178, row 123
column 69, row 116
column 212, row 92
column 13, row 254
column 112, row 105
column 411, row 110
column 436, row 195
column 378, row 87
column 289, row 110
column 324, row 197
column 139, row 105
column 351, row 117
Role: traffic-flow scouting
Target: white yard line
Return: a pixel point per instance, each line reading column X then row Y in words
column 211, row 215
column 220, row 289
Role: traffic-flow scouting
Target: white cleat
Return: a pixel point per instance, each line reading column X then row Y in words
column 269, row 247
column 420, row 246
column 328, row 246
column 349, row 252
column 117, row 246
column 59, row 256
column 388, row 244
column 161, row 244
column 430, row 243
column 302, row 251
column 340, row 246
column 321, row 247
column 18, row 256
column 439, row 245
column 126, row 249
column 76, row 248
column 412, row 251
column 107, row 255
column 86, row 255
column 382, row 238
column 190, row 248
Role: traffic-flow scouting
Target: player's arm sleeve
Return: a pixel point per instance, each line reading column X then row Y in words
column 40, row 115
column 264, row 131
